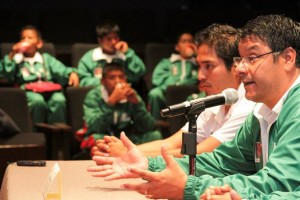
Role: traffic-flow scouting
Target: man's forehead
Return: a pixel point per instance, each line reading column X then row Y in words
column 115, row 73
column 251, row 42
column 251, row 38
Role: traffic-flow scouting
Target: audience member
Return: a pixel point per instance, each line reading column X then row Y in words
column 265, row 151
column 27, row 67
column 111, row 49
column 217, row 45
column 179, row 69
column 113, row 107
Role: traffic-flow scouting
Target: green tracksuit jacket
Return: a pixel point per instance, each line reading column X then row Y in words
column 102, row 119
column 251, row 193
column 91, row 68
column 170, row 71
column 233, row 162
column 42, row 110
column 174, row 71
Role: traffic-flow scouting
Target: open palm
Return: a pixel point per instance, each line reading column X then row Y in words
column 112, row 168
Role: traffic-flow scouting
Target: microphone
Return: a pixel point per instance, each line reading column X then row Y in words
column 229, row 96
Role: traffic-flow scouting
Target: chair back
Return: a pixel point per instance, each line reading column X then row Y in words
column 21, row 146
column 178, row 94
column 78, row 50
column 14, row 102
column 75, row 97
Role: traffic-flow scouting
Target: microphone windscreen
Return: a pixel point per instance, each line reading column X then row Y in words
column 231, row 96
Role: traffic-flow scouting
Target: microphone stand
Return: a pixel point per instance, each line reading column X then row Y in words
column 189, row 139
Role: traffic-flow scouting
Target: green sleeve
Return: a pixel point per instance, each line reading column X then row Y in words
column 143, row 121
column 8, row 70
column 162, row 76
column 163, row 73
column 97, row 114
column 156, row 164
column 86, row 68
column 59, row 72
column 135, row 67
column 255, row 194
column 233, row 162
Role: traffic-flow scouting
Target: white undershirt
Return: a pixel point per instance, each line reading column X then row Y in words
column 214, row 122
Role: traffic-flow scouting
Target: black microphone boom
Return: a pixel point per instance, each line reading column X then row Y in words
column 228, row 96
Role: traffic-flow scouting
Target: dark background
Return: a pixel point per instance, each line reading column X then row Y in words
column 64, row 22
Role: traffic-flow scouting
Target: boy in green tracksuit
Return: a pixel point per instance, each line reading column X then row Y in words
column 113, row 107
column 264, row 154
column 25, row 64
column 179, row 69
column 110, row 49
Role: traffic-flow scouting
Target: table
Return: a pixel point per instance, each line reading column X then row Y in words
column 28, row 183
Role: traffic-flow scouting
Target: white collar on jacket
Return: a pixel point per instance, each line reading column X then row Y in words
column 19, row 57
column 267, row 117
column 98, row 54
column 176, row 57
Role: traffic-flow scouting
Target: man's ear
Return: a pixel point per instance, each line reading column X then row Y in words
column 40, row 44
column 289, row 56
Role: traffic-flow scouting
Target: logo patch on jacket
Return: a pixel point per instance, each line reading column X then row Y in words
column 125, row 118
column 174, row 70
column 25, row 71
column 258, row 152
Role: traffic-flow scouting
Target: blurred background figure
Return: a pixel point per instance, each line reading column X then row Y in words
column 37, row 72
column 179, row 69
column 114, row 106
column 111, row 49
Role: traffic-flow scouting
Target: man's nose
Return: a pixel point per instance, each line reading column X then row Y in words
column 201, row 75
column 241, row 69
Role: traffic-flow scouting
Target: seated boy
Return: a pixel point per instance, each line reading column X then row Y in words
column 179, row 69
column 25, row 64
column 113, row 107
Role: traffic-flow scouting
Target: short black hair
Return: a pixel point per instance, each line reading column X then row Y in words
column 107, row 27
column 223, row 38
column 277, row 31
column 112, row 66
column 31, row 27
column 181, row 34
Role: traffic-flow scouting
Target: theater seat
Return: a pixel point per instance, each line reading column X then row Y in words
column 25, row 145
column 75, row 97
column 174, row 95
column 78, row 50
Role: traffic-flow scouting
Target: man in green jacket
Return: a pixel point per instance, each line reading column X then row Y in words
column 179, row 69
column 114, row 106
column 25, row 64
column 111, row 49
column 265, row 151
